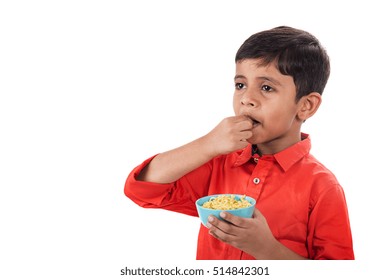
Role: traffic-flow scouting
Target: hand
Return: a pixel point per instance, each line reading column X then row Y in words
column 251, row 235
column 230, row 135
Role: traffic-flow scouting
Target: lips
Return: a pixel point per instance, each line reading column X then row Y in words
column 254, row 122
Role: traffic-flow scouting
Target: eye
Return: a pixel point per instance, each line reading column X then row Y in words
column 266, row 88
column 239, row 86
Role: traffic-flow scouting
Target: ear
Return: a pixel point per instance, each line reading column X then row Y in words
column 308, row 105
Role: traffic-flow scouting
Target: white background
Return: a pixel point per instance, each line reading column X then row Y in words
column 89, row 89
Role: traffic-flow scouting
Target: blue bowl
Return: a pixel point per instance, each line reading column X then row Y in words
column 204, row 213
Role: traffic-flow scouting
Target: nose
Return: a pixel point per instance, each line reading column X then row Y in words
column 248, row 99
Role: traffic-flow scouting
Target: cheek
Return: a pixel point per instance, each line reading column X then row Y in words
column 279, row 115
column 236, row 104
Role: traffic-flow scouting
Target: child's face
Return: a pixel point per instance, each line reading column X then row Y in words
column 268, row 98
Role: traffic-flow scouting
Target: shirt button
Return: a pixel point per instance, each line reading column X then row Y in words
column 256, row 180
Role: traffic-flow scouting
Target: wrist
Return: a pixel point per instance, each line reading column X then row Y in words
column 268, row 252
column 277, row 251
column 209, row 148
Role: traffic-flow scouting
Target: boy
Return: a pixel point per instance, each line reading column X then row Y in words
column 301, row 209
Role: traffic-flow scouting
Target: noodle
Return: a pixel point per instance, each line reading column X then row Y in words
column 226, row 202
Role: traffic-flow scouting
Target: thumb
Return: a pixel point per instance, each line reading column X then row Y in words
column 257, row 214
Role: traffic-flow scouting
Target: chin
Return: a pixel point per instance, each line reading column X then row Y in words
column 257, row 140
column 252, row 141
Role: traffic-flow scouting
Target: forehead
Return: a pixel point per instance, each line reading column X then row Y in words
column 256, row 65
column 256, row 68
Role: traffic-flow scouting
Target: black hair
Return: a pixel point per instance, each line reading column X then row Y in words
column 295, row 52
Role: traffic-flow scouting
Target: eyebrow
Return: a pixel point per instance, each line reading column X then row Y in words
column 259, row 78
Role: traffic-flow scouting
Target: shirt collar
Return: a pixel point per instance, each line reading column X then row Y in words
column 286, row 158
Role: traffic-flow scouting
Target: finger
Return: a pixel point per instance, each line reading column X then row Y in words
column 218, row 233
column 240, row 118
column 217, row 225
column 241, row 144
column 235, row 220
column 246, row 134
column 213, row 234
column 244, row 124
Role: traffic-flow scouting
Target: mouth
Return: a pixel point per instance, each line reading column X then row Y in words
column 254, row 122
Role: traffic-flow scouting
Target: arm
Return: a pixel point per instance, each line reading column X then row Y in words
column 228, row 136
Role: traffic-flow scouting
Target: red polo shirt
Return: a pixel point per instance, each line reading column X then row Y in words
column 302, row 200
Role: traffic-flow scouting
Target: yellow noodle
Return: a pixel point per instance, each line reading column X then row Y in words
column 226, row 202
